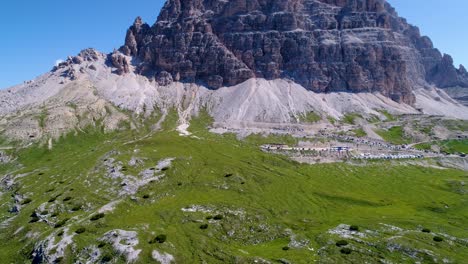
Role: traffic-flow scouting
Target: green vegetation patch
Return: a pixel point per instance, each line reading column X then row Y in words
column 331, row 119
column 42, row 117
column 259, row 139
column 359, row 132
column 395, row 135
column 423, row 146
column 310, row 117
column 389, row 117
column 455, row 146
column 350, row 118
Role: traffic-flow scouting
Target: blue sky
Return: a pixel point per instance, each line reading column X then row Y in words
column 34, row 34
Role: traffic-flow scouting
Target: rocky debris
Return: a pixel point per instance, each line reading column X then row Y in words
column 91, row 254
column 86, row 55
column 4, row 158
column 296, row 241
column 130, row 184
column 344, row 231
column 258, row 260
column 197, row 208
column 392, row 238
column 135, row 161
column 7, row 182
column 113, row 168
column 164, row 164
column 39, row 255
column 213, row 210
column 71, row 74
column 120, row 62
column 109, row 207
column 48, row 251
column 163, row 258
column 124, row 242
column 89, row 55
column 326, row 46
column 215, row 81
column 164, row 78
column 414, row 253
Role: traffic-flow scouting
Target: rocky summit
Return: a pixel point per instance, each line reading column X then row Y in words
column 324, row 45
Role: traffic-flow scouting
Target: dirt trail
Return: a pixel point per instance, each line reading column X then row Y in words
column 370, row 131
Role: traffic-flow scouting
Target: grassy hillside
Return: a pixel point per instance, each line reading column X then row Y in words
column 455, row 146
column 224, row 201
column 395, row 135
column 448, row 146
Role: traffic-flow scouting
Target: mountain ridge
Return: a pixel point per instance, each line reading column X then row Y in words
column 326, row 46
column 149, row 72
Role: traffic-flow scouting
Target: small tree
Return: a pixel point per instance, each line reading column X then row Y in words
column 354, row 228
column 218, row 217
column 106, row 258
column 26, row 201
column 80, row 230
column 438, row 239
column 341, row 243
column 61, row 223
column 161, row 238
column 345, row 251
column 97, row 216
column 76, row 208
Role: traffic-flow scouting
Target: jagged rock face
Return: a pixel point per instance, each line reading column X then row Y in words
column 325, row 45
column 120, row 62
column 445, row 75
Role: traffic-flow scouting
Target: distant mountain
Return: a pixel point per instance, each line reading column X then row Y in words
column 248, row 63
column 324, row 45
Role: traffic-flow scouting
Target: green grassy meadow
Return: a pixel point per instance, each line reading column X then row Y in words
column 272, row 208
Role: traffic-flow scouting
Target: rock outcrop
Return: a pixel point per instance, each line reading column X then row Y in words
column 324, row 45
column 446, row 76
column 120, row 62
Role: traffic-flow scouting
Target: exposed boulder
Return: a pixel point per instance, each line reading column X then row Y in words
column 164, row 78
column 124, row 242
column 89, row 55
column 120, row 62
column 4, row 158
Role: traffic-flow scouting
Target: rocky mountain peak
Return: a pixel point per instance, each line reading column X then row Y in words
column 324, row 45
column 462, row 70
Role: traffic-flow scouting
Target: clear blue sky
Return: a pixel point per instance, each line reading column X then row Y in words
column 36, row 33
